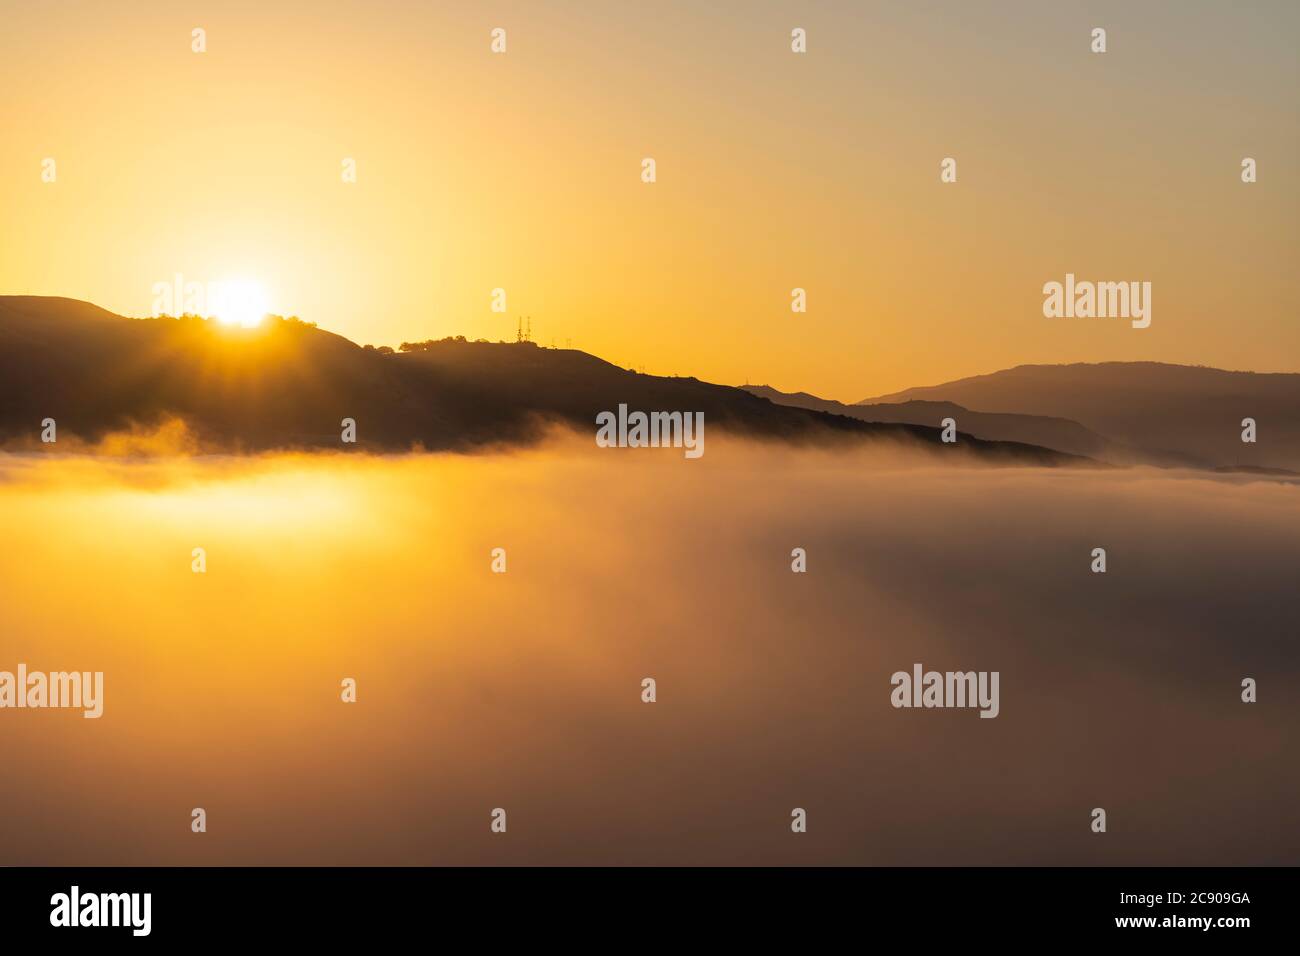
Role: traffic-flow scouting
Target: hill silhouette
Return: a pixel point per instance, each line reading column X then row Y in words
column 1045, row 431
column 1169, row 413
column 287, row 384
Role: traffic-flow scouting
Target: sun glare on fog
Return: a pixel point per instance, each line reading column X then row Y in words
column 321, row 567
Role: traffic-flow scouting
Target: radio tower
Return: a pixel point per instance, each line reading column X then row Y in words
column 519, row 333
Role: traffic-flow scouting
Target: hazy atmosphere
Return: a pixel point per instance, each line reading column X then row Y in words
column 521, row 690
column 732, row 433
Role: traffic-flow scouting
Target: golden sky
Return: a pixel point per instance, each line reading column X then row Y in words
column 775, row 171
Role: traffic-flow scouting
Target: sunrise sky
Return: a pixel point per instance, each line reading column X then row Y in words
column 775, row 170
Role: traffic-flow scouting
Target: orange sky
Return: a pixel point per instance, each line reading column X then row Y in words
column 775, row 170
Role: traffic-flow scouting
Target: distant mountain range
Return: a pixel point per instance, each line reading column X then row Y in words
column 1163, row 410
column 1118, row 412
column 1058, row 433
column 287, row 384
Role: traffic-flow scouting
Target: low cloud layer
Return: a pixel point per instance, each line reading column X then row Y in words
column 522, row 690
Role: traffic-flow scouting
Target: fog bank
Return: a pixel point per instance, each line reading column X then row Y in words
column 522, row 690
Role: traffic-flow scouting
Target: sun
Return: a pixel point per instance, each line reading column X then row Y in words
column 241, row 302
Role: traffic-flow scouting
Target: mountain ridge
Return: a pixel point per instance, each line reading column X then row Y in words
column 287, row 384
column 1193, row 413
column 1061, row 434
